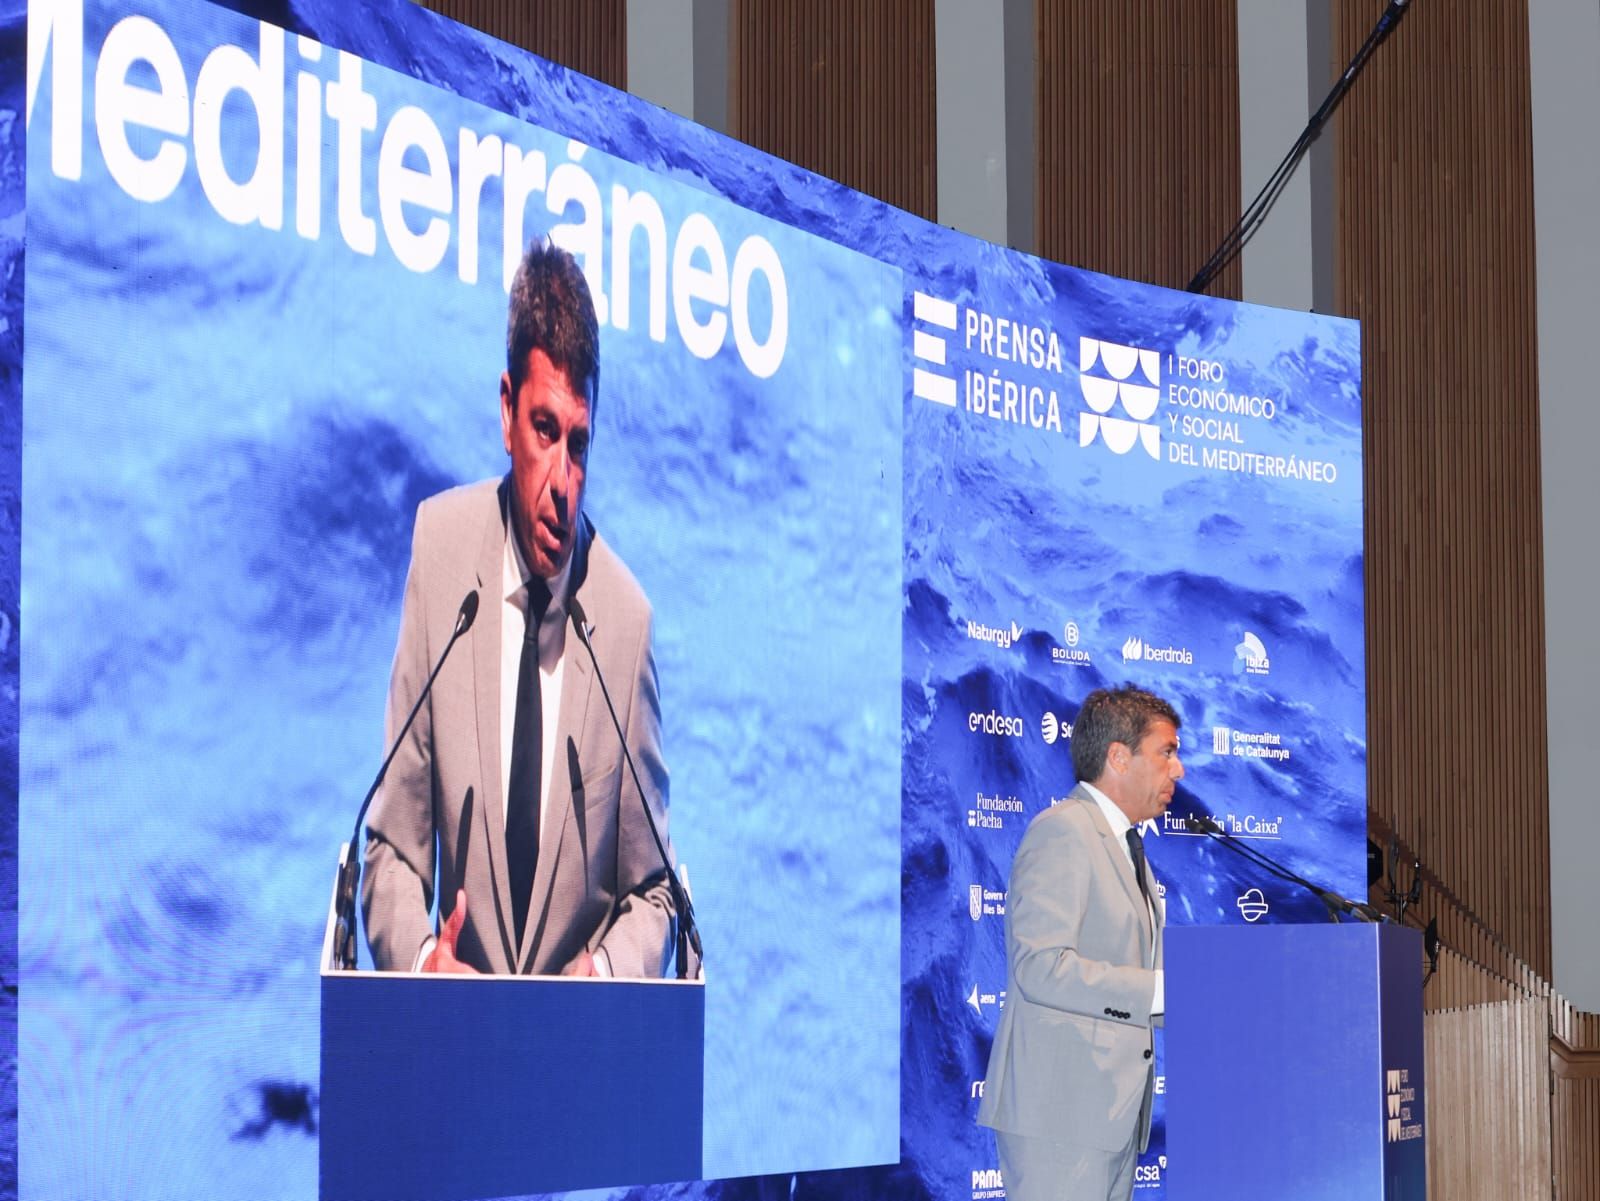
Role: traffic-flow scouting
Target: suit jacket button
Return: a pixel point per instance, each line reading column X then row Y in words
column 1111, row 1013
column 1148, row 1053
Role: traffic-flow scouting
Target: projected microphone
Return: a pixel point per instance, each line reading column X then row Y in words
column 1336, row 904
column 344, row 936
column 688, row 932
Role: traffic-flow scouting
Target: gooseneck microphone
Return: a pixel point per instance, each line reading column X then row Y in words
column 344, row 936
column 688, row 931
column 1336, row 904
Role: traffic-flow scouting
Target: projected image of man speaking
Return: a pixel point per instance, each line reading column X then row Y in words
column 508, row 800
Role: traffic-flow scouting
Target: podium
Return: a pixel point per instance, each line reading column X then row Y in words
column 1294, row 1063
column 443, row 1088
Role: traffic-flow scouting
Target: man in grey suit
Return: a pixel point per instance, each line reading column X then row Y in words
column 1070, row 1075
column 508, row 802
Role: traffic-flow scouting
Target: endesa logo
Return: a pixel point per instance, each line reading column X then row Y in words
column 997, row 724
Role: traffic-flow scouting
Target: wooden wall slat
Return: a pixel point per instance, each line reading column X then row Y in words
column 1138, row 136
column 1434, row 183
column 842, row 88
column 587, row 35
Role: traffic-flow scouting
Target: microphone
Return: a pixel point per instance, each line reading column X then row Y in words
column 688, row 931
column 1336, row 904
column 344, row 935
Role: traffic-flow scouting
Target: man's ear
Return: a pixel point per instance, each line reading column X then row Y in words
column 508, row 414
column 1118, row 756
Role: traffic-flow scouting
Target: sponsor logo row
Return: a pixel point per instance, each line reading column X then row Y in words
column 1249, row 653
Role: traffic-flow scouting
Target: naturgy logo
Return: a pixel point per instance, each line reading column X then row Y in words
column 1110, row 373
column 153, row 120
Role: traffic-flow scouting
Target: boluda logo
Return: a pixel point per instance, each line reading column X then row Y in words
column 1112, row 375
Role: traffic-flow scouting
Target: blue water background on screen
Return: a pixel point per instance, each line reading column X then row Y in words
column 1000, row 521
column 228, row 431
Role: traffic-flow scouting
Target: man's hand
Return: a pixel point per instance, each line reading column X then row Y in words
column 583, row 965
column 443, row 956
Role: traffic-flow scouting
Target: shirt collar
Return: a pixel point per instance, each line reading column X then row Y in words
column 515, row 575
column 1118, row 820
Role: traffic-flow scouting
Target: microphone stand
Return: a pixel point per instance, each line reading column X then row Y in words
column 688, row 931
column 344, row 935
column 1336, row 904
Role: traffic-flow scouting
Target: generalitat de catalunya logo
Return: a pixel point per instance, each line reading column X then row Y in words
column 1112, row 375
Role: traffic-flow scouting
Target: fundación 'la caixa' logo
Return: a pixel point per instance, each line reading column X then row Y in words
column 1110, row 375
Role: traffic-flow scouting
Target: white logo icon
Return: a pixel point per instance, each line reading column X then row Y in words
column 1253, row 905
column 1050, row 727
column 1139, row 395
column 972, row 1000
column 975, row 901
column 1251, row 656
column 1072, row 633
column 930, row 348
column 1132, row 650
column 1221, row 740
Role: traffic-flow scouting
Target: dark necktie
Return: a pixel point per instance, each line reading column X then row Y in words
column 527, row 744
column 1136, row 849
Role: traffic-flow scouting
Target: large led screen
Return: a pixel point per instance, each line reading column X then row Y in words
column 899, row 499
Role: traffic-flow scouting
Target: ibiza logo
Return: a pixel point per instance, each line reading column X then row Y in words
column 1112, row 375
column 1250, row 656
column 931, row 348
column 1253, row 905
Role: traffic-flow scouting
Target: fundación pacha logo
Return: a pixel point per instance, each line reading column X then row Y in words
column 1111, row 374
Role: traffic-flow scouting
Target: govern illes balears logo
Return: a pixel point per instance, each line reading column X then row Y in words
column 1113, row 378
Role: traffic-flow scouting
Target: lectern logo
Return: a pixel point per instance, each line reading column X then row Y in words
column 1402, row 1122
column 1112, row 375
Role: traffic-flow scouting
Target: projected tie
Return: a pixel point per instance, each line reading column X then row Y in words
column 527, row 744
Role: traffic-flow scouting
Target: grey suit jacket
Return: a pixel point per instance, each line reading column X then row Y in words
column 438, row 823
column 1071, row 1057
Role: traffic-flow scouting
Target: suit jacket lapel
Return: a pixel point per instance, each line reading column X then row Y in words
column 1118, row 855
column 486, row 634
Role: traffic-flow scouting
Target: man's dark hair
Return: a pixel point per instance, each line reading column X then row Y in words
column 552, row 311
column 1110, row 715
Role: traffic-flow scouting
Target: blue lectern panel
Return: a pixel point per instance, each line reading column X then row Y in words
column 443, row 1089
column 1280, row 1041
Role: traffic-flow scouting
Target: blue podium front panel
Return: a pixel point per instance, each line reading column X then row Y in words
column 443, row 1088
column 1284, row 1047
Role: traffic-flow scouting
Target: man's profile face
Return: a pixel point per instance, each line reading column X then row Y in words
column 1148, row 774
column 546, row 431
